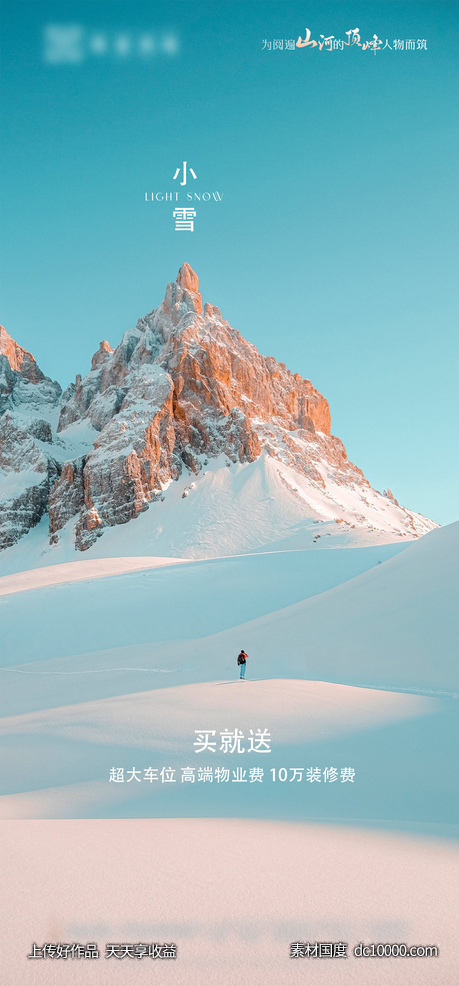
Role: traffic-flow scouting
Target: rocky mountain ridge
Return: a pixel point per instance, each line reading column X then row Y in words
column 28, row 468
column 181, row 390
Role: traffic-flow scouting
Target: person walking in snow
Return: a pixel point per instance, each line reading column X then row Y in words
column 242, row 660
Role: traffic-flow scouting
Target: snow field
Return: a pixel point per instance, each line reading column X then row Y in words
column 351, row 664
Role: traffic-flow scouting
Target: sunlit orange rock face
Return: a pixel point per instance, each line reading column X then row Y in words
column 19, row 360
column 180, row 387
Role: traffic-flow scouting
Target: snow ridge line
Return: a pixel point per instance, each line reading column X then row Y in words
column 438, row 693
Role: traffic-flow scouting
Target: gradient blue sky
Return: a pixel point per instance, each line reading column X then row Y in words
column 335, row 246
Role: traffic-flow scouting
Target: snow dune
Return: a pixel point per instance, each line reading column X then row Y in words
column 79, row 571
column 66, row 754
column 103, row 610
column 394, row 626
column 390, row 629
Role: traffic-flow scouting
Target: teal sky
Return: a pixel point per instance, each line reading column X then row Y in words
column 335, row 246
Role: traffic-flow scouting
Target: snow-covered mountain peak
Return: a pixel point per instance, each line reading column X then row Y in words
column 22, row 383
column 101, row 355
column 184, row 393
column 19, row 359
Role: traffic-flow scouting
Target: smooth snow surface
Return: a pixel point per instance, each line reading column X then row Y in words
column 232, row 894
column 78, row 571
column 160, row 602
column 379, row 734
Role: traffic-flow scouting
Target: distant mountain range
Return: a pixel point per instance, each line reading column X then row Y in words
column 225, row 449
